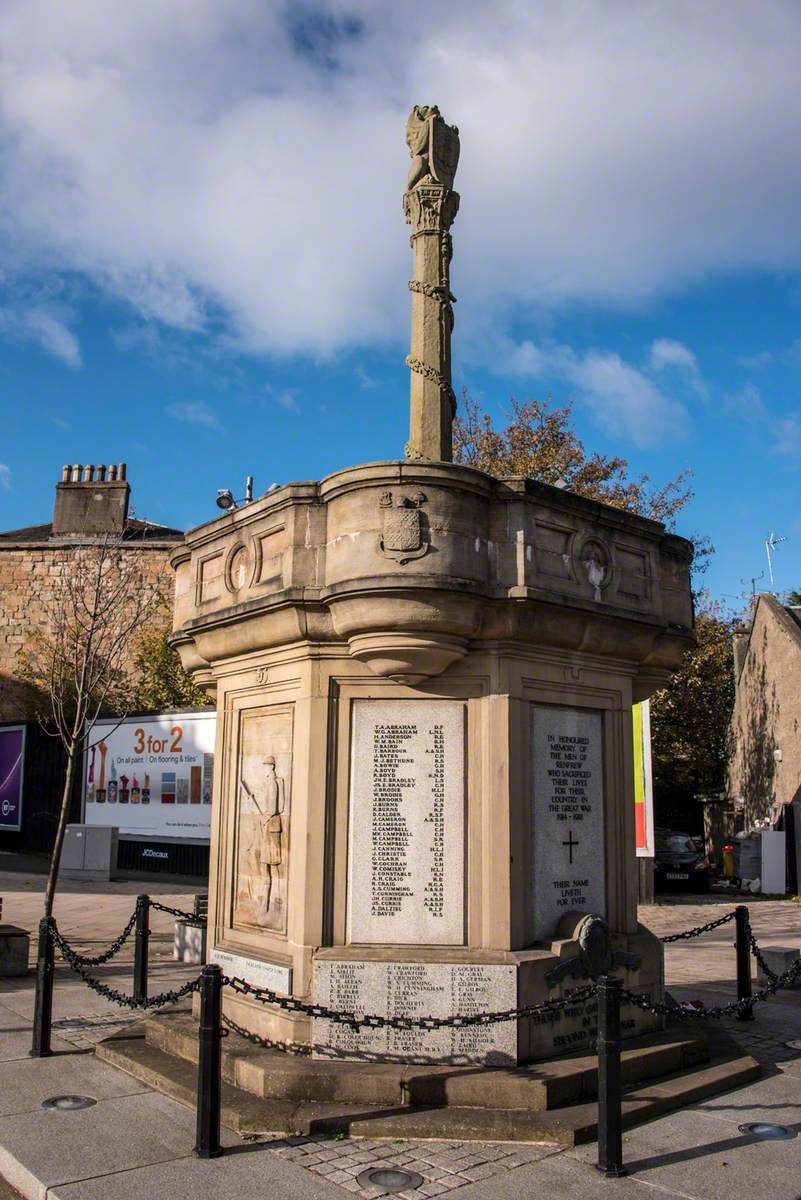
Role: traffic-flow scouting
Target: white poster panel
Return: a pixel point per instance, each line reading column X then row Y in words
column 151, row 776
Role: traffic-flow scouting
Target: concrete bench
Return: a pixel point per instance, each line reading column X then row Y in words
column 14, row 947
column 778, row 958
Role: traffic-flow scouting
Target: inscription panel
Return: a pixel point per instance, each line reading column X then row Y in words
column 274, row 976
column 567, row 817
column 406, row 823
column 416, row 990
column 575, row 1028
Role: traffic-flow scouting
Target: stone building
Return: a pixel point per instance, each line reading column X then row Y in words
column 90, row 503
column 765, row 763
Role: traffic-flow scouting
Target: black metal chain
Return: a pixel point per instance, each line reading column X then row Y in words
column 74, row 961
column 786, row 979
column 267, row 1043
column 374, row 1021
column 113, row 949
column 699, row 929
column 767, row 971
column 190, row 918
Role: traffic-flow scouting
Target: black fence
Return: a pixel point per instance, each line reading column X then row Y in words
column 608, row 990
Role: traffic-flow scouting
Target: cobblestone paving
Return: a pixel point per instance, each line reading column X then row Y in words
column 443, row 1166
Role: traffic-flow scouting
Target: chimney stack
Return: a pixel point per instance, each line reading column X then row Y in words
column 740, row 640
column 89, row 503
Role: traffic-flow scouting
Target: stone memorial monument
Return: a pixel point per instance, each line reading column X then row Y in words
column 424, row 677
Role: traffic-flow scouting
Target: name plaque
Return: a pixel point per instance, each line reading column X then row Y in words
column 568, row 816
column 406, row 823
column 416, row 990
column 254, row 970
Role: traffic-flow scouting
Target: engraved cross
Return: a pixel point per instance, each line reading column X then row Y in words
column 571, row 845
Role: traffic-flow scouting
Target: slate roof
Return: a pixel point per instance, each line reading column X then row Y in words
column 136, row 530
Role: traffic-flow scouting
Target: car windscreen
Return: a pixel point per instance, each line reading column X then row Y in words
column 677, row 844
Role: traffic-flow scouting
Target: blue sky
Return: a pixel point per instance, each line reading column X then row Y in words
column 205, row 262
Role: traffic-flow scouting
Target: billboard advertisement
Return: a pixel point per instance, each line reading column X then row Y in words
column 151, row 776
column 643, row 780
column 12, row 759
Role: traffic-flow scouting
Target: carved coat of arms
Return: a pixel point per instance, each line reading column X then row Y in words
column 402, row 537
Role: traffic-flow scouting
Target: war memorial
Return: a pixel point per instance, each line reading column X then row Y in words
column 423, row 793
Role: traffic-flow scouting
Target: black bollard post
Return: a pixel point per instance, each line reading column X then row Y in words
column 43, row 1005
column 141, row 947
column 208, row 1071
column 610, row 1084
column 746, row 1013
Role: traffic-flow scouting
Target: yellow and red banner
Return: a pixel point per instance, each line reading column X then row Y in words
column 643, row 780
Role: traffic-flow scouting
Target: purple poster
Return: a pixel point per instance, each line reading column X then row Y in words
column 12, row 752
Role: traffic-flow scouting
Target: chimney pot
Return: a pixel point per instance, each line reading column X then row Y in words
column 91, row 511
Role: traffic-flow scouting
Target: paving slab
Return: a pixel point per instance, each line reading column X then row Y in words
column 701, row 1157
column 559, row 1177
column 15, row 1037
column 245, row 1172
column 25, row 1084
column 44, row 1149
column 776, row 1099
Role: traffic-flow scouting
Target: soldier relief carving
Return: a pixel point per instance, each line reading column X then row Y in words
column 263, row 812
column 403, row 536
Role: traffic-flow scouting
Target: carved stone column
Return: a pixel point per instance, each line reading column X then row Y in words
column 430, row 206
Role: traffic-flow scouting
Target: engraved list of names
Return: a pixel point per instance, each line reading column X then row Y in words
column 567, row 817
column 406, row 823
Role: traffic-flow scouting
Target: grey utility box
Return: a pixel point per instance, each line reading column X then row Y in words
column 90, row 852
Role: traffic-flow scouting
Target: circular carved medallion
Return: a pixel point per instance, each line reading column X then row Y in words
column 239, row 568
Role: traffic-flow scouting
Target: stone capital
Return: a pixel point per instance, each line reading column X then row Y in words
column 430, row 208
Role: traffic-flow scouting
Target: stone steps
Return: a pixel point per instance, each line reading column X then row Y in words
column 305, row 1096
column 536, row 1087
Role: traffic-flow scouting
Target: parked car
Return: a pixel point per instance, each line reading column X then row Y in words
column 680, row 862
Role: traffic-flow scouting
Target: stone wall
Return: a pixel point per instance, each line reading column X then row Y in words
column 765, row 765
column 28, row 573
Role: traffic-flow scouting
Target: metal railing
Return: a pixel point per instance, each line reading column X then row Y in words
column 606, row 989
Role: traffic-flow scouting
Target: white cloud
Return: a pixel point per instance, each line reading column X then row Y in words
column 622, row 398
column 193, row 412
column 45, row 329
column 787, row 436
column 781, row 435
column 746, row 404
column 625, row 401
column 237, row 167
column 5, row 476
column 666, row 353
column 288, row 398
column 754, row 362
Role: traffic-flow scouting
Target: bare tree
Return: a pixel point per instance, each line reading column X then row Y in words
column 79, row 659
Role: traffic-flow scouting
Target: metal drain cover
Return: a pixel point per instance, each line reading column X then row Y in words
column 391, row 1179
column 68, row 1103
column 762, row 1129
